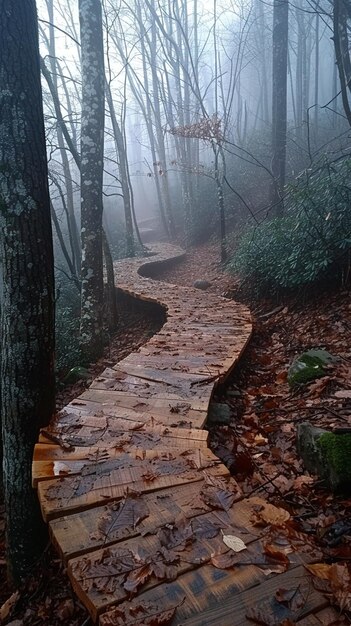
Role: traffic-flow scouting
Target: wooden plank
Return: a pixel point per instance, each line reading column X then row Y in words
column 79, row 533
column 69, row 494
column 196, row 403
column 138, row 430
column 52, row 461
column 98, row 578
column 330, row 616
column 212, row 597
column 261, row 601
column 174, row 413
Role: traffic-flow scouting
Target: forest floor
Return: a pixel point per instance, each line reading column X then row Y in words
column 257, row 440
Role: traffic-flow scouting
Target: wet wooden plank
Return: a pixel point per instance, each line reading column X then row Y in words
column 212, row 597
column 52, row 461
column 79, row 533
column 100, row 578
column 60, row 496
column 138, row 430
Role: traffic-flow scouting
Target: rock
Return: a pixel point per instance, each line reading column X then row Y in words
column 202, row 284
column 326, row 454
column 219, row 413
column 308, row 366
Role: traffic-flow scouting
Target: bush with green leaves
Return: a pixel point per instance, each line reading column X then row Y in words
column 312, row 239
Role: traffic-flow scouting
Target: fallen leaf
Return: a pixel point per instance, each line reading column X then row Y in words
column 234, row 543
column 344, row 393
column 7, row 607
column 270, row 514
column 224, row 560
column 338, row 576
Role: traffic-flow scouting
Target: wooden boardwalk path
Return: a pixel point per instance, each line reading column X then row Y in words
column 137, row 504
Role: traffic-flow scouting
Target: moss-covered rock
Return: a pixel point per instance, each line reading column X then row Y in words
column 308, row 366
column 336, row 450
column 326, row 454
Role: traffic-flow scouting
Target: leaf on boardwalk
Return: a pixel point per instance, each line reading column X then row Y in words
column 138, row 577
column 203, row 528
column 217, row 498
column 276, row 555
column 126, row 514
column 216, row 494
column 292, row 598
column 138, row 614
column 104, row 573
column 174, row 535
column 224, row 560
column 234, row 543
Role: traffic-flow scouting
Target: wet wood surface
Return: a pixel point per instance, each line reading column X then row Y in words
column 137, row 504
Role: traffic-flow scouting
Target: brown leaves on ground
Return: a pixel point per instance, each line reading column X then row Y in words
column 259, row 443
column 338, row 578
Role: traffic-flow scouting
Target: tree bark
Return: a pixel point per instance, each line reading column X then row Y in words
column 279, row 99
column 92, row 155
column 27, row 315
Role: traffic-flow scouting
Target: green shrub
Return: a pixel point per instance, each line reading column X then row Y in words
column 312, row 238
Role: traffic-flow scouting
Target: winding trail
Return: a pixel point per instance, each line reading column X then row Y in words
column 136, row 503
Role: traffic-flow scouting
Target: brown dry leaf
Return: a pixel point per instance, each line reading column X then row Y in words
column 292, row 598
column 215, row 493
column 141, row 614
column 174, row 535
column 302, row 481
column 150, row 475
column 275, row 554
column 137, row 577
column 7, row 607
column 224, row 560
column 65, row 610
column 343, row 393
column 126, row 514
column 270, row 514
column 338, row 576
column 316, row 389
column 260, row 440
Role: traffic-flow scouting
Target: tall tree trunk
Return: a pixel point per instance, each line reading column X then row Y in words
column 92, row 156
column 316, row 73
column 71, row 218
column 123, row 173
column 342, row 53
column 279, row 99
column 27, row 315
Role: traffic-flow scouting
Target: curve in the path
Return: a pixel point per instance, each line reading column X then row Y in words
column 132, row 494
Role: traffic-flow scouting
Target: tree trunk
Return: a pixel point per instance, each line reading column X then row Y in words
column 123, row 173
column 27, row 322
column 279, row 98
column 92, row 155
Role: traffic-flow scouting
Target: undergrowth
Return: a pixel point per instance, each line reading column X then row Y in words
column 312, row 241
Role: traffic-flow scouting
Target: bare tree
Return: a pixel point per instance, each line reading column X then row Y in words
column 27, row 312
column 92, row 155
column 279, row 100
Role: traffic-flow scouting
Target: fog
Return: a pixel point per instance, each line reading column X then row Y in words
column 191, row 91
